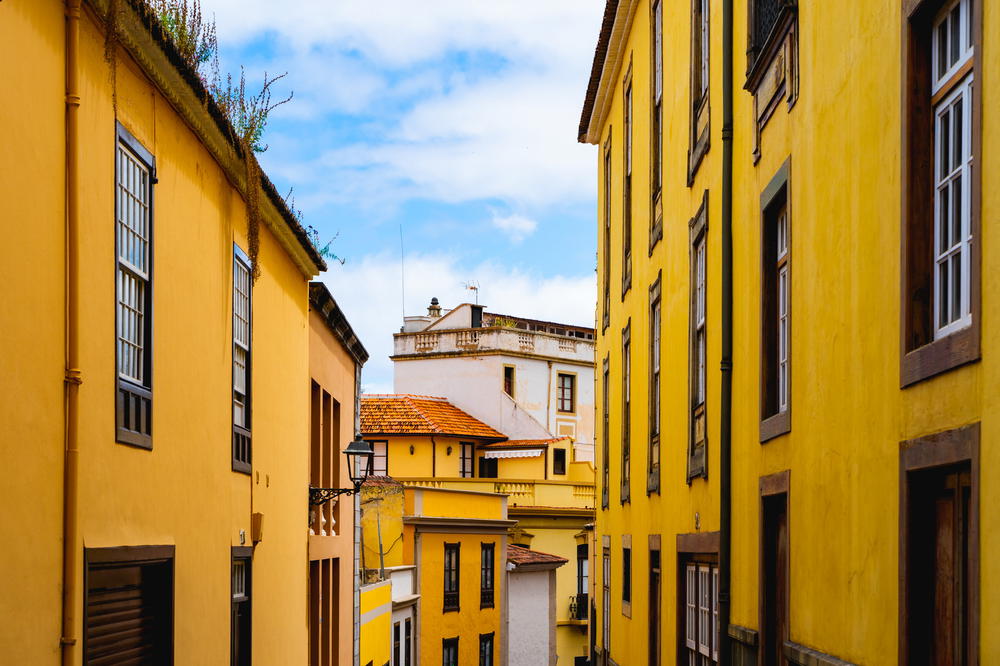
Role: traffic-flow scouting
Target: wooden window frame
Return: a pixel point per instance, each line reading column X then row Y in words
column 697, row 463
column 627, row 575
column 655, row 598
column 452, row 598
column 628, row 154
column 241, row 554
column 134, row 401
column 127, row 555
column 656, row 123
column 606, row 596
column 761, row 52
column 773, row 420
column 698, row 548
column 700, row 106
column 626, row 420
column 484, row 641
column 559, row 467
column 606, row 245
column 466, row 454
column 371, row 461
column 446, row 645
column 487, row 570
column 655, row 386
column 959, row 446
column 606, row 434
column 921, row 355
column 773, row 485
column 242, row 444
column 513, row 379
column 560, row 401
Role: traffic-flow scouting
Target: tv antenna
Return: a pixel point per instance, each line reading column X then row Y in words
column 473, row 285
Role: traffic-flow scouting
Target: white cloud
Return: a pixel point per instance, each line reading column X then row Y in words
column 517, row 227
column 368, row 290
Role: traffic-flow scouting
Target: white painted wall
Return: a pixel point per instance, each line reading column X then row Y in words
column 531, row 629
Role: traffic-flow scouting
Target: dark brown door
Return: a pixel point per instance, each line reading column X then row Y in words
column 129, row 614
column 654, row 608
column 937, row 568
column 775, row 580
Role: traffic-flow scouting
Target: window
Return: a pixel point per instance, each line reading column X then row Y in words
column 487, row 468
column 700, row 43
column 941, row 218
column 241, row 362
column 241, row 615
column 324, row 616
column 396, row 643
column 486, row 573
column 627, row 187
column 700, row 616
column 775, row 299
column 566, row 400
column 939, row 548
column 656, row 124
column 626, row 577
column 626, row 412
column 486, row 649
column 653, row 449
column 699, row 343
column 451, row 566
column 134, row 178
column 654, row 604
column 582, row 583
column 407, row 641
column 466, row 458
column 606, row 599
column 606, row 246
column 558, row 461
column 605, row 435
column 508, row 380
column 140, row 578
column 379, row 465
column 449, row 652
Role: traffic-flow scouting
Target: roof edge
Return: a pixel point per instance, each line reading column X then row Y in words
column 326, row 306
column 600, row 55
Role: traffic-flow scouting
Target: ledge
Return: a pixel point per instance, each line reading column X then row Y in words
column 804, row 656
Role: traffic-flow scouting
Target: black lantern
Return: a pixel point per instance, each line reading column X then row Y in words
column 359, row 456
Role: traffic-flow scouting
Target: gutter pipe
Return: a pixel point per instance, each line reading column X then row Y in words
column 72, row 377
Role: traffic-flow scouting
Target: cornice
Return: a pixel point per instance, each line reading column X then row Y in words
column 602, row 87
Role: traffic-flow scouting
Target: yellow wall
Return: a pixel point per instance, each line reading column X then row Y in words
column 843, row 137
column 382, row 511
column 376, row 623
column 183, row 492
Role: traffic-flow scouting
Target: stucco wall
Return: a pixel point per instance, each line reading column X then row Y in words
column 531, row 629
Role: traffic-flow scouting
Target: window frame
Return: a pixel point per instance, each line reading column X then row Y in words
column 772, row 488
column 449, row 645
column 132, row 397
column 606, row 245
column 656, row 123
column 241, row 555
column 923, row 356
column 697, row 464
column 466, row 459
column 627, row 575
column 451, row 601
column 562, row 391
column 559, row 461
column 487, row 659
column 375, row 454
column 628, row 150
column 487, row 575
column 513, row 379
column 775, row 421
column 626, row 419
column 700, row 87
column 697, row 550
column 242, row 442
column 606, row 432
column 655, row 409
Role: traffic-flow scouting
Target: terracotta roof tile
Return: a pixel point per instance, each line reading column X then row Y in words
column 519, row 556
column 525, row 443
column 404, row 414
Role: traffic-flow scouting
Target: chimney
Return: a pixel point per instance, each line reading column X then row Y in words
column 434, row 311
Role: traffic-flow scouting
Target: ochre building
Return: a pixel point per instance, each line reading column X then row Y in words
column 797, row 334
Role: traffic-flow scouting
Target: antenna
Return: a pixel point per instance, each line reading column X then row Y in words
column 473, row 285
column 402, row 275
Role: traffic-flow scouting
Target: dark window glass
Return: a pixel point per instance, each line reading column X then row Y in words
column 626, row 575
column 466, row 460
column 449, row 652
column 487, row 468
column 486, row 572
column 486, row 649
column 566, row 400
column 241, row 616
column 451, row 572
column 558, row 461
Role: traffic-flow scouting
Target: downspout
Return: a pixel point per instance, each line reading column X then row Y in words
column 72, row 379
column 726, row 365
column 357, row 529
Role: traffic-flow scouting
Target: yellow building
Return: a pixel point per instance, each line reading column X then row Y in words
column 427, row 441
column 790, row 207
column 455, row 544
column 155, row 432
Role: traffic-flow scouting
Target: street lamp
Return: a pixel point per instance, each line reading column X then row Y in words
column 359, row 454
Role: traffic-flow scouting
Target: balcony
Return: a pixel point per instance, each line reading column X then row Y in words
column 465, row 340
column 520, row 492
column 578, row 607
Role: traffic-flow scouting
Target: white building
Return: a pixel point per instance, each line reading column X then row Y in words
column 529, row 379
column 531, row 611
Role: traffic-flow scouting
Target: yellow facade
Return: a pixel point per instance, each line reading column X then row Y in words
column 183, row 493
column 376, row 623
column 837, row 125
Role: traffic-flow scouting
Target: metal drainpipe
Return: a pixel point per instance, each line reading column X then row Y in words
column 72, row 379
column 358, row 552
column 726, row 399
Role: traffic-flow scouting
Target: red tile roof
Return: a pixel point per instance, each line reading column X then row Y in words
column 520, row 556
column 404, row 414
column 525, row 443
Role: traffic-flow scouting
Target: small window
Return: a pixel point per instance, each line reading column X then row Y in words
column 775, row 299
column 626, row 575
column 508, row 380
column 241, row 614
column 466, row 459
column 134, row 178
column 487, row 569
column 698, row 372
column 700, row 615
column 627, row 187
column 626, row 434
column 379, row 464
column 558, row 461
column 451, row 569
column 486, row 649
column 653, row 452
column 449, row 652
column 477, row 316
column 606, row 245
column 241, row 362
column 606, row 598
column 566, row 400
column 582, row 572
column 396, row 643
column 605, row 435
column 700, row 45
column 487, row 468
column 407, row 641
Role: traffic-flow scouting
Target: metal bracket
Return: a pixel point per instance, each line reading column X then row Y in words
column 320, row 496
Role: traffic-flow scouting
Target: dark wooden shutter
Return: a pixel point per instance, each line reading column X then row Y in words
column 129, row 613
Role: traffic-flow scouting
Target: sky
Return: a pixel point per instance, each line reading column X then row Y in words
column 449, row 125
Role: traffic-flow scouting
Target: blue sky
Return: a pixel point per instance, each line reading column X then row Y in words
column 455, row 119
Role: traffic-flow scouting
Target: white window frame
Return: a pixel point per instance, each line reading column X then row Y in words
column 134, row 230
column 380, row 452
column 783, row 295
column 705, row 48
column 241, row 341
column 466, row 460
column 701, row 346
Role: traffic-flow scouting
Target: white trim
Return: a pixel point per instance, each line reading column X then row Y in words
column 517, row 453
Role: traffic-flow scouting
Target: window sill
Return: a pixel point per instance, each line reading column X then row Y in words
column 939, row 356
column 776, row 425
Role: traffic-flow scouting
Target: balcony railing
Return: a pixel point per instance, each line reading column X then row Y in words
column 321, row 519
column 496, row 338
column 520, row 492
column 578, row 606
